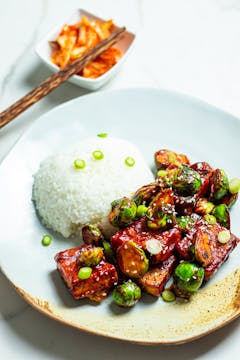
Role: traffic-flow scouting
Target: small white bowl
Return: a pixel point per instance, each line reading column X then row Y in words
column 44, row 51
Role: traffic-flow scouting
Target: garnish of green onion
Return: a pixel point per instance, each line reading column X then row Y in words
column 234, row 185
column 153, row 246
column 84, row 273
column 79, row 164
column 98, row 155
column 224, row 236
column 162, row 173
column 210, row 219
column 103, row 135
column 46, row 240
column 168, row 296
column 129, row 161
column 141, row 210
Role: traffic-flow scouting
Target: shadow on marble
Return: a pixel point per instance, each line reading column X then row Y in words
column 55, row 340
column 63, row 93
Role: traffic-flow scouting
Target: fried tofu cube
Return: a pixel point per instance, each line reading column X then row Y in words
column 154, row 280
column 140, row 234
column 97, row 286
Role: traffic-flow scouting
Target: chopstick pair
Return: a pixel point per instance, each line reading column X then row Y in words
column 48, row 85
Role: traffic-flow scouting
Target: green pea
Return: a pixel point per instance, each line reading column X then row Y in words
column 84, row 273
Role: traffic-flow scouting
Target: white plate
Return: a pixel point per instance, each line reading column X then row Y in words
column 152, row 119
column 44, row 51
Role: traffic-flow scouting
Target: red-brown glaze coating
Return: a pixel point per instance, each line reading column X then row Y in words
column 164, row 158
column 205, row 171
column 184, row 205
column 209, row 251
column 139, row 233
column 154, row 280
column 96, row 288
column 185, row 243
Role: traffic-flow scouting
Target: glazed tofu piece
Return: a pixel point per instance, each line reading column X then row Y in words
column 154, row 280
column 140, row 234
column 201, row 242
column 184, row 245
column 209, row 251
column 96, row 287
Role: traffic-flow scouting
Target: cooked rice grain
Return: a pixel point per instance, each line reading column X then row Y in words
column 67, row 198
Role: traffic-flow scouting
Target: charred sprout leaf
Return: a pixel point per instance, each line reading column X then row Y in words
column 188, row 278
column 123, row 212
column 126, row 294
column 202, row 167
column 161, row 211
column 222, row 215
column 164, row 158
column 91, row 234
column 132, row 260
column 91, row 256
column 204, row 206
column 185, row 181
column 185, row 222
column 229, row 199
column 219, row 185
column 145, row 194
column 108, row 252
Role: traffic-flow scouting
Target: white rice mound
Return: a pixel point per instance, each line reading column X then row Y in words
column 66, row 198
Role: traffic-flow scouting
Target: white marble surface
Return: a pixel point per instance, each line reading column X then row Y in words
column 185, row 45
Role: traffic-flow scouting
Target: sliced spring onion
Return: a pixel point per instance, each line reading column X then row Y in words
column 98, row 155
column 153, row 246
column 168, row 295
column 102, row 135
column 224, row 236
column 46, row 240
column 162, row 173
column 129, row 161
column 141, row 210
column 210, row 219
column 79, row 164
column 234, row 185
column 84, row 273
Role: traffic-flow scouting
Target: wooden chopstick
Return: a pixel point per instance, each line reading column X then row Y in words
column 48, row 85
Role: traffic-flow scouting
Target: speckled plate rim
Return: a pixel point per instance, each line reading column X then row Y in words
column 43, row 305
